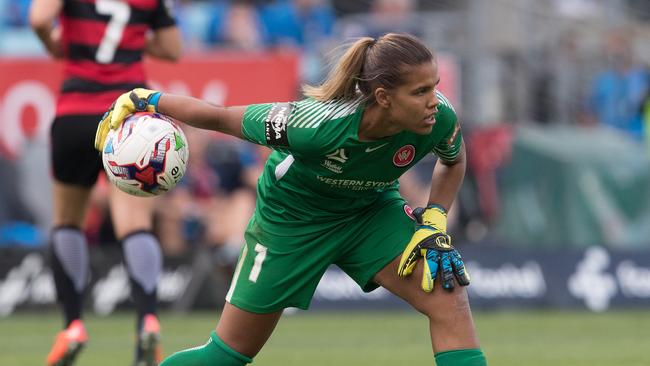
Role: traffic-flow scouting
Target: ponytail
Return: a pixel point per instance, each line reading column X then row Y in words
column 369, row 64
column 342, row 81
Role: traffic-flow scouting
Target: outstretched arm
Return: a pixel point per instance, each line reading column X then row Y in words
column 200, row 114
column 191, row 111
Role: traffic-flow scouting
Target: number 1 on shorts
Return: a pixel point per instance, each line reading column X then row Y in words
column 259, row 259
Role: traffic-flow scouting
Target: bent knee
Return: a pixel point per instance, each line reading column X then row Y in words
column 441, row 305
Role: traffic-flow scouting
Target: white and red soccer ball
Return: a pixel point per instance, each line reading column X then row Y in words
column 146, row 156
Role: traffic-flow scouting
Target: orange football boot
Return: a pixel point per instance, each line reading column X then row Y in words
column 149, row 352
column 67, row 344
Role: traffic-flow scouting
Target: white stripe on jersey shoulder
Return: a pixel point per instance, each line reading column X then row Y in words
column 310, row 113
column 259, row 115
column 282, row 168
column 444, row 100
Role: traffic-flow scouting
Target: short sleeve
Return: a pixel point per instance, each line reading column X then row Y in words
column 266, row 124
column 307, row 127
column 450, row 145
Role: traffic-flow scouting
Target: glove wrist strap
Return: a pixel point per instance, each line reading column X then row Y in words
column 438, row 207
column 436, row 216
column 153, row 100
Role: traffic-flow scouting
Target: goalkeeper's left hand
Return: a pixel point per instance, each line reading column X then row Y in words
column 431, row 241
column 137, row 100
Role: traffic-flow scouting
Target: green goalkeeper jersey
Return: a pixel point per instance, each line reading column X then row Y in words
column 321, row 173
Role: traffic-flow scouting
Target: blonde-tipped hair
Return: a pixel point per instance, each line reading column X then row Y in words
column 368, row 64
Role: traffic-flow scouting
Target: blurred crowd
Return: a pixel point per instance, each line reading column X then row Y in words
column 567, row 62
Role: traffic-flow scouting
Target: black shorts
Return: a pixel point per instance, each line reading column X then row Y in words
column 74, row 158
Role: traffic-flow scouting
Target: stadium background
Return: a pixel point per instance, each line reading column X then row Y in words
column 553, row 218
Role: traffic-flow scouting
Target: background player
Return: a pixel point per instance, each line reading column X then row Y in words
column 101, row 43
column 329, row 195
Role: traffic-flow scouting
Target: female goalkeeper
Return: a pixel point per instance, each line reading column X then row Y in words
column 329, row 195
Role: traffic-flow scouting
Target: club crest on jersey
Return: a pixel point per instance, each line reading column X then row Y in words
column 331, row 160
column 275, row 124
column 404, row 156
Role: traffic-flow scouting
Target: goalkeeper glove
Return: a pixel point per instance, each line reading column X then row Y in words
column 431, row 241
column 137, row 100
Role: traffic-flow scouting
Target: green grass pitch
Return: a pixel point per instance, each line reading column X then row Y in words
column 530, row 338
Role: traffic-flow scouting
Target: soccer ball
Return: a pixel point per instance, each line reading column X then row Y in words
column 146, row 156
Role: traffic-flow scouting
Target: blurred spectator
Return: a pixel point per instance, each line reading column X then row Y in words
column 235, row 25
column 11, row 207
column 98, row 226
column 306, row 25
column 645, row 117
column 346, row 7
column 571, row 74
column 299, row 23
column 489, row 149
column 617, row 92
column 14, row 12
column 385, row 16
column 193, row 19
column 16, row 221
column 216, row 197
column 560, row 73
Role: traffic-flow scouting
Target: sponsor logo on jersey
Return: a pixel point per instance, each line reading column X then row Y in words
column 404, row 156
column 331, row 160
column 275, row 124
column 355, row 184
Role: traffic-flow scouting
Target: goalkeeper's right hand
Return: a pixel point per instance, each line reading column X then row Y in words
column 431, row 242
column 137, row 100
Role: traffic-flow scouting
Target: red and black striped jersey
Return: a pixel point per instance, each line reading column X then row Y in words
column 104, row 42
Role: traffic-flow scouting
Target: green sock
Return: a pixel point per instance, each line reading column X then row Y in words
column 213, row 353
column 461, row 357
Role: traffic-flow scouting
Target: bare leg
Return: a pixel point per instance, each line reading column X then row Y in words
column 246, row 332
column 70, row 203
column 239, row 336
column 450, row 319
column 172, row 209
column 130, row 213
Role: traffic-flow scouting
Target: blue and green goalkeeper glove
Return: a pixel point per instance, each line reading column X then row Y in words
column 431, row 241
column 137, row 100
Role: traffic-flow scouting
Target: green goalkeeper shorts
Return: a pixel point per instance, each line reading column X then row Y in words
column 276, row 272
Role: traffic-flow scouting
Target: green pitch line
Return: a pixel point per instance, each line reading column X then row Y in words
column 529, row 338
